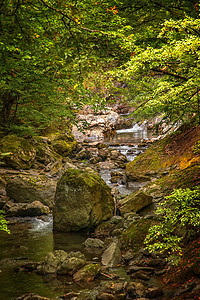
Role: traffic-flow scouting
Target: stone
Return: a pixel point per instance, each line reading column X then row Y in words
column 52, row 262
column 88, row 273
column 28, row 188
column 31, row 296
column 136, row 289
column 70, row 266
column 134, row 202
column 112, row 255
column 36, row 208
column 105, row 296
column 94, row 243
column 82, row 200
column 20, row 153
column 154, row 292
column 83, row 154
column 141, row 275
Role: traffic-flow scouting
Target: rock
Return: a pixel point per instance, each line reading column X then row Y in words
column 45, row 153
column 116, row 220
column 94, row 243
column 70, row 265
column 87, row 273
column 76, row 254
column 31, row 296
column 154, row 292
column 64, row 148
column 112, row 255
column 104, row 229
column 28, row 188
column 105, row 296
column 136, row 289
column 83, row 154
column 141, row 275
column 134, row 269
column 134, row 202
column 22, row 153
column 52, row 262
column 36, row 208
column 70, row 295
column 82, row 200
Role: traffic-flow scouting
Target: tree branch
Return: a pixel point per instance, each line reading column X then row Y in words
column 170, row 74
column 71, row 19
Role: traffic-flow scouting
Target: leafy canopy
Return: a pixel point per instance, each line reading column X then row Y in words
column 166, row 79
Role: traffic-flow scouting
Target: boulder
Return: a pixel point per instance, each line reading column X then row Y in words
column 82, row 200
column 20, row 154
column 36, row 208
column 112, row 255
column 52, row 262
column 94, row 243
column 29, row 188
column 87, row 273
column 134, row 202
column 71, row 265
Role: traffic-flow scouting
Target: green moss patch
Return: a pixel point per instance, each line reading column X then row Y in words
column 133, row 237
column 177, row 151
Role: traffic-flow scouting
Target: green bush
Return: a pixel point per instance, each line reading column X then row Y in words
column 179, row 222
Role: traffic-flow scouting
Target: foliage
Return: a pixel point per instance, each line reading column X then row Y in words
column 55, row 54
column 165, row 79
column 3, row 222
column 180, row 221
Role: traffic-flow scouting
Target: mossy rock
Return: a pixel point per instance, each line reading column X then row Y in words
column 64, row 148
column 45, row 153
column 134, row 202
column 187, row 178
column 82, row 200
column 174, row 152
column 133, row 237
column 87, row 273
column 22, row 153
column 28, row 188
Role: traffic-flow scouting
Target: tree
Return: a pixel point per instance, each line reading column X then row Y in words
column 166, row 79
column 46, row 47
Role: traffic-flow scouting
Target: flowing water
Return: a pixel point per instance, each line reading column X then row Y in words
column 32, row 239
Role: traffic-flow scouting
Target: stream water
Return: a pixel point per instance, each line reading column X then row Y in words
column 32, row 239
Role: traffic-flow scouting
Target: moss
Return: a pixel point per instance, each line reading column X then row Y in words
column 177, row 151
column 133, row 237
column 64, row 148
column 22, row 152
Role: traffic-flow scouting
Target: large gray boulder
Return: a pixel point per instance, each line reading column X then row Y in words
column 82, row 200
column 134, row 202
column 28, row 188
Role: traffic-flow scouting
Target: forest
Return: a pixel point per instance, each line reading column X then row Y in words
column 100, row 149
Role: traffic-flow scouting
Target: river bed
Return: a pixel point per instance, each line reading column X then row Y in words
column 32, row 239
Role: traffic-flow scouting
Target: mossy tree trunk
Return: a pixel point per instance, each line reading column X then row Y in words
column 8, row 100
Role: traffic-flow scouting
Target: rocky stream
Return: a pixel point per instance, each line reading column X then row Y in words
column 104, row 262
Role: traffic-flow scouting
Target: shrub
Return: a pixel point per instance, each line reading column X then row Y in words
column 180, row 221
